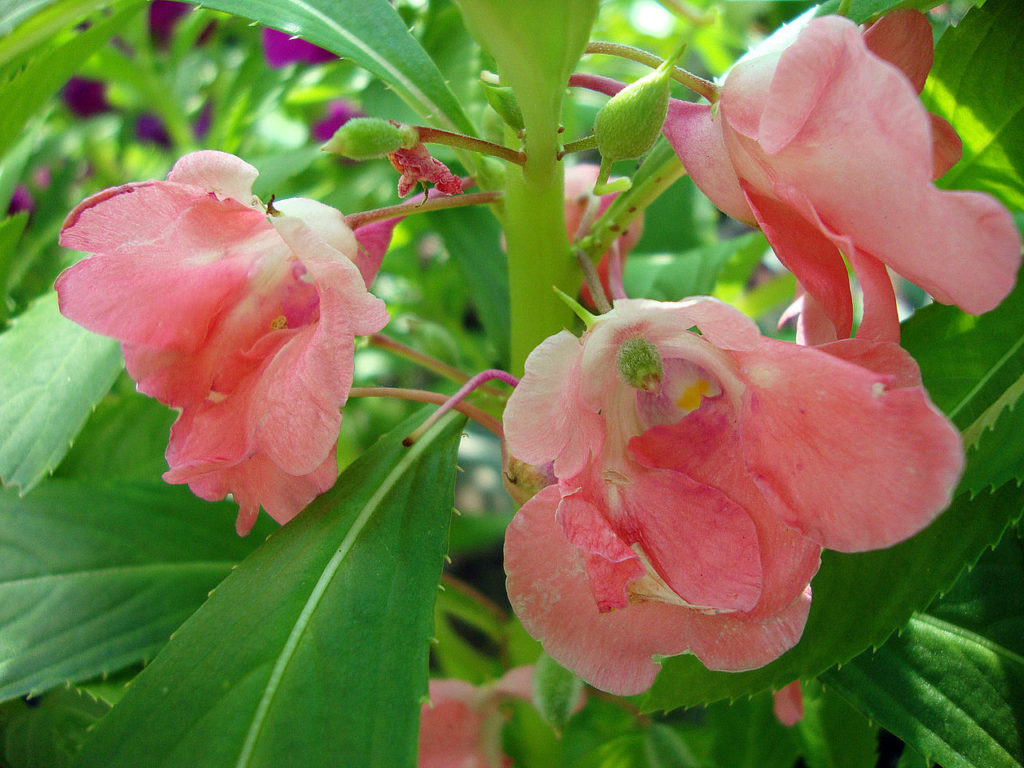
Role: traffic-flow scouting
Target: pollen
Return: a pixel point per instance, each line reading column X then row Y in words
column 278, row 323
column 691, row 397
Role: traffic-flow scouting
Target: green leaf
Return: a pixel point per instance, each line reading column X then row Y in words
column 859, row 599
column 29, row 88
column 49, row 731
column 951, row 684
column 748, row 735
column 863, row 10
column 314, row 650
column 668, row 277
column 374, row 36
column 977, row 84
column 95, row 578
column 978, row 385
column 833, row 734
column 28, row 24
column 474, row 242
column 53, row 373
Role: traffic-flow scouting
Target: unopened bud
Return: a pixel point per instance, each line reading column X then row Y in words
column 639, row 364
column 364, row 138
column 629, row 123
column 504, row 102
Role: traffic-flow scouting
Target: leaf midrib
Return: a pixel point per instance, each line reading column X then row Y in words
column 972, row 638
column 408, row 460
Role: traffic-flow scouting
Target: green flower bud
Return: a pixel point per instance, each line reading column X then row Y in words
column 503, row 101
column 364, row 138
column 639, row 364
column 630, row 121
column 556, row 691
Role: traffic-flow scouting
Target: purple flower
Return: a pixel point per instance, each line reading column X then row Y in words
column 151, row 129
column 86, row 97
column 163, row 15
column 282, row 49
column 338, row 113
column 21, row 200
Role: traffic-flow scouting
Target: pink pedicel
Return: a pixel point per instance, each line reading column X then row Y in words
column 699, row 475
column 242, row 321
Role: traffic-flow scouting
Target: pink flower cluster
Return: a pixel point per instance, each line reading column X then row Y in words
column 241, row 318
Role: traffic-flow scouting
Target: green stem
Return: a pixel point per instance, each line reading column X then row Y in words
column 433, row 204
column 580, row 145
column 659, row 171
column 699, row 85
column 437, row 136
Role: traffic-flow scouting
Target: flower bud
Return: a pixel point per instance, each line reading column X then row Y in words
column 639, row 364
column 503, row 101
column 629, row 123
column 364, row 138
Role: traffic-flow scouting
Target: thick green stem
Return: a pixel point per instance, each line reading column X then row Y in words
column 536, row 44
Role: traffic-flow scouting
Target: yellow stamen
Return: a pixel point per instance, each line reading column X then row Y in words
column 278, row 323
column 692, row 395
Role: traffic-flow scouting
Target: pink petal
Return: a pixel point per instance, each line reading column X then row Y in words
column 697, row 138
column 809, row 255
column 374, row 240
column 700, row 542
column 157, row 239
column 547, row 585
column 788, row 704
column 904, row 39
column 543, row 419
column 704, row 447
column 451, row 728
column 224, row 175
column 863, row 466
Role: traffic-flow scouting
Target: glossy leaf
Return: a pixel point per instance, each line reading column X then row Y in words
column 53, row 373
column 951, row 684
column 29, row 88
column 49, row 731
column 980, row 385
column 473, row 239
column 978, row 85
column 94, row 578
column 314, row 650
column 370, row 33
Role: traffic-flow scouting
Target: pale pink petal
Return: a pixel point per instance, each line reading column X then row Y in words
column 374, row 240
column 157, row 239
column 451, row 729
column 516, row 683
column 863, row 466
column 788, row 704
column 224, row 175
column 326, row 222
column 548, row 587
column 543, row 421
column 904, row 39
column 697, row 138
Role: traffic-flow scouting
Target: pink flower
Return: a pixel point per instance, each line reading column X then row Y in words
column 699, row 475
column 282, row 49
column 461, row 725
column 582, row 209
column 788, row 704
column 243, row 322
column 416, row 165
column 820, row 139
